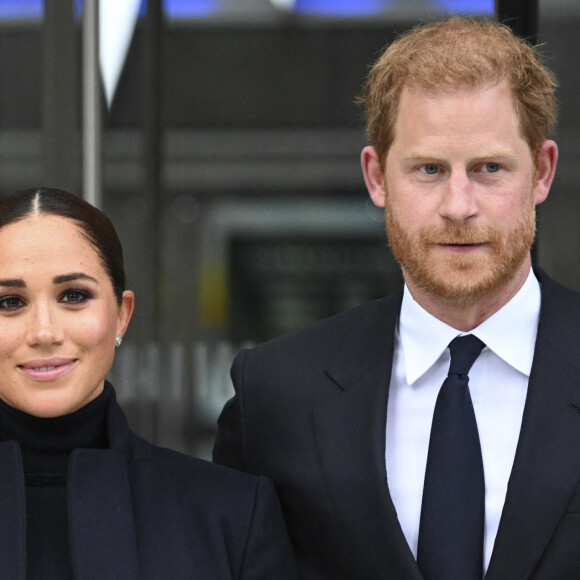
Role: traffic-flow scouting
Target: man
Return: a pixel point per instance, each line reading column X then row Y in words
column 458, row 114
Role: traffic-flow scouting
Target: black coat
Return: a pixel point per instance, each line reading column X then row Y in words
column 310, row 413
column 140, row 512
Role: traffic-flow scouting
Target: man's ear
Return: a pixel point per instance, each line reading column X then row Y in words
column 545, row 170
column 373, row 175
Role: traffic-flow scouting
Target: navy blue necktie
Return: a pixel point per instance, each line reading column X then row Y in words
column 452, row 513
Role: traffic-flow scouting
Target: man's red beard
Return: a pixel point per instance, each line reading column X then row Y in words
column 459, row 279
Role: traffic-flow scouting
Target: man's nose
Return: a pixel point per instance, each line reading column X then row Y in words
column 458, row 203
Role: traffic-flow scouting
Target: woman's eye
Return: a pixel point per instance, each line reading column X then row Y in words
column 11, row 303
column 74, row 297
column 430, row 169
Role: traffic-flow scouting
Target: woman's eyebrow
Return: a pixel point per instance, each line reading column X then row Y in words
column 74, row 276
column 13, row 282
column 19, row 283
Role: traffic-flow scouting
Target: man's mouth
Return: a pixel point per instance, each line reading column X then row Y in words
column 462, row 246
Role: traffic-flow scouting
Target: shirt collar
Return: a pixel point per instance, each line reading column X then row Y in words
column 424, row 337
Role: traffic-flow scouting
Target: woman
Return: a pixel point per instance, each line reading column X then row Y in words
column 82, row 496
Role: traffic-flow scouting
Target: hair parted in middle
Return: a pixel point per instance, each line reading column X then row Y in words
column 93, row 224
column 459, row 53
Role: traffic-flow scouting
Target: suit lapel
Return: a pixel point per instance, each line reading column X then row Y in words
column 350, row 432
column 547, row 462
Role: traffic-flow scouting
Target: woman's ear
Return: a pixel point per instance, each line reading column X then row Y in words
column 125, row 312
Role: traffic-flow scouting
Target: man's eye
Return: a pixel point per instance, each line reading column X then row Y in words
column 430, row 169
column 491, row 167
column 11, row 303
column 74, row 297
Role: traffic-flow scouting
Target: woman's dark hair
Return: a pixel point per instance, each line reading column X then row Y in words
column 93, row 223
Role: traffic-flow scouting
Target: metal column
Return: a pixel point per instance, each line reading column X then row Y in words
column 153, row 150
column 92, row 105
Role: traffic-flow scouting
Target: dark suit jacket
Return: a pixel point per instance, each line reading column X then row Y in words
column 310, row 413
column 140, row 512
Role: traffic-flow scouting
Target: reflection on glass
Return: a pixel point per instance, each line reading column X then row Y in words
column 343, row 8
column 466, row 6
column 191, row 9
column 21, row 9
column 194, row 9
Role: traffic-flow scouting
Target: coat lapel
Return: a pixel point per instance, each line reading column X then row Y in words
column 350, row 431
column 102, row 535
column 547, row 462
column 12, row 513
column 101, row 516
column 101, row 519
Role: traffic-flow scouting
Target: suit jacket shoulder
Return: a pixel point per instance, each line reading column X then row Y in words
column 279, row 383
column 340, row 348
column 328, row 335
column 310, row 411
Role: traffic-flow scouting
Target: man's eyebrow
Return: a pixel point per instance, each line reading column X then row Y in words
column 418, row 154
column 497, row 152
column 74, row 276
column 13, row 282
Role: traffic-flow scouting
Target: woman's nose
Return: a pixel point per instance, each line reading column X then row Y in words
column 44, row 328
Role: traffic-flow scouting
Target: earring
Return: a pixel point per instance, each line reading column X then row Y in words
column 118, row 341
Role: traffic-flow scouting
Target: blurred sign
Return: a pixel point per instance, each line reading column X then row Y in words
column 280, row 284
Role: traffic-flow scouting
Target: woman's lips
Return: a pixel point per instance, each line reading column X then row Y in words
column 47, row 370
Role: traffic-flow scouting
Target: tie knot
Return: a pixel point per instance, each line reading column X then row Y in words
column 464, row 351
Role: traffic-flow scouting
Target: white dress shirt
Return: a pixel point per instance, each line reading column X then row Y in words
column 498, row 384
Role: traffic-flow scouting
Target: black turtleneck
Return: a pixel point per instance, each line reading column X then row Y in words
column 46, row 446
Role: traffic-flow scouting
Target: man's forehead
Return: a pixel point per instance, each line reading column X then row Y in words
column 431, row 91
column 429, row 123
